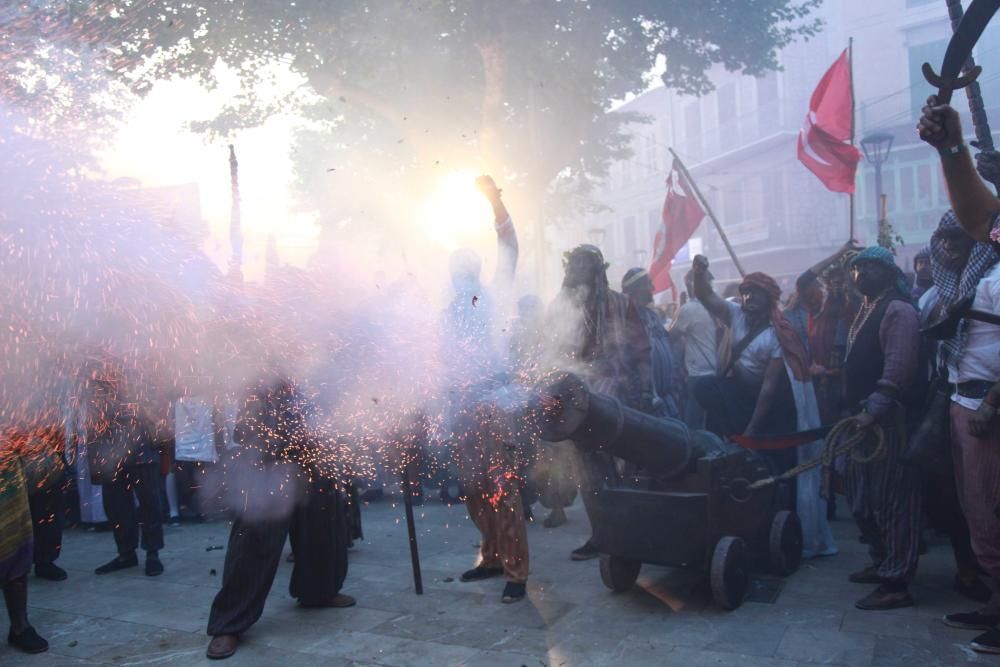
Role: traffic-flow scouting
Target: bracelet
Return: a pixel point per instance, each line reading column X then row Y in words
column 952, row 151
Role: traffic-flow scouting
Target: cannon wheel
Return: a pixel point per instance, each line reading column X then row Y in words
column 619, row 573
column 730, row 572
column 784, row 546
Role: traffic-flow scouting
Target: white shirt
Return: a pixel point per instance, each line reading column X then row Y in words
column 698, row 328
column 980, row 358
column 754, row 359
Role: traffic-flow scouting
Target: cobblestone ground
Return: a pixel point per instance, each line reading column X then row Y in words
column 568, row 620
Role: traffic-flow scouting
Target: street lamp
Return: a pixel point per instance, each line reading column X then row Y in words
column 877, row 146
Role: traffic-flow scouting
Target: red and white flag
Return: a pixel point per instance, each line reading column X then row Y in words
column 681, row 216
column 824, row 140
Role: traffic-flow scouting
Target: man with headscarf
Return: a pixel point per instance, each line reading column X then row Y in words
column 764, row 388
column 880, row 371
column 486, row 444
column 750, row 396
column 964, row 268
column 953, row 249
column 599, row 335
column 638, row 287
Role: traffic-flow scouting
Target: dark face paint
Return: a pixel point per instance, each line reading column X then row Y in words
column 871, row 278
column 641, row 291
column 581, row 270
column 755, row 300
column 955, row 248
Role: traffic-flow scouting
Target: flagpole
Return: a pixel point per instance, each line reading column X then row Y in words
column 708, row 210
column 850, row 64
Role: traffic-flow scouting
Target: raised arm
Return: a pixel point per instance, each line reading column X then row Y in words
column 974, row 205
column 507, row 248
column 816, row 270
column 702, row 280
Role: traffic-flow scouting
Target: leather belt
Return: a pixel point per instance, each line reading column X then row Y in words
column 972, row 388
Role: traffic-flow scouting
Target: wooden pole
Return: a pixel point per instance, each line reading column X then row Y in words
column 850, row 64
column 411, row 529
column 708, row 210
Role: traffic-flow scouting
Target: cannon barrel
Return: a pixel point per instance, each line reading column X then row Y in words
column 597, row 422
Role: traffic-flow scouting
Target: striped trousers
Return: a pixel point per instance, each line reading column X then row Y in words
column 885, row 499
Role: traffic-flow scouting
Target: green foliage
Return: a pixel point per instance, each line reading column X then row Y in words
column 520, row 87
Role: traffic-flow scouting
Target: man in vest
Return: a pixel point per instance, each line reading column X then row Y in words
column 881, row 365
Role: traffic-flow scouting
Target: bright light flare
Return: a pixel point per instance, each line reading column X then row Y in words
column 456, row 214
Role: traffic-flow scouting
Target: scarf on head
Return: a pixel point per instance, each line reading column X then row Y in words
column 791, row 346
column 956, row 284
column 876, row 253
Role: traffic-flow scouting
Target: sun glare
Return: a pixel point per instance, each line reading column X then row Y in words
column 455, row 213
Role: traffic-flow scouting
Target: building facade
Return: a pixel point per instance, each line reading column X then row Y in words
column 739, row 143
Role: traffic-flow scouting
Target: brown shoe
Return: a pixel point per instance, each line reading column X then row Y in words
column 342, row 601
column 883, row 599
column 869, row 575
column 222, row 647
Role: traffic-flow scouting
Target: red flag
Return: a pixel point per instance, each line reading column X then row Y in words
column 681, row 216
column 824, row 140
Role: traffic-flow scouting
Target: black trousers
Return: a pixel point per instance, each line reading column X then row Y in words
column 318, row 529
column 144, row 481
column 48, row 510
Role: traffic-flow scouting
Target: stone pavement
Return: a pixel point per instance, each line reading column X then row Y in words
column 568, row 620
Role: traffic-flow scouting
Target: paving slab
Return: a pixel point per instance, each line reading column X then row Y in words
column 569, row 619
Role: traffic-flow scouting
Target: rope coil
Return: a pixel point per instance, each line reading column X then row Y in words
column 845, row 437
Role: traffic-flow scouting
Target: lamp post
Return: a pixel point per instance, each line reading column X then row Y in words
column 877, row 146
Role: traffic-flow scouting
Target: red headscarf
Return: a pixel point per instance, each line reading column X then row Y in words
column 791, row 346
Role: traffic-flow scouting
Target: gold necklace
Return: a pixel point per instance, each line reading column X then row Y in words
column 862, row 317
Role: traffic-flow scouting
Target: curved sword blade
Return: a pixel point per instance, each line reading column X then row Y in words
column 976, row 18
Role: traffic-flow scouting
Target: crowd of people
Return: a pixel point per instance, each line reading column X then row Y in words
column 901, row 358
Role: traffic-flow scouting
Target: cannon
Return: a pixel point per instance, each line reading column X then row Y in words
column 681, row 498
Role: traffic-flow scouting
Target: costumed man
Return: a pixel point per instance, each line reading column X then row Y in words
column 600, row 336
column 638, row 287
column 821, row 321
column 963, row 268
column 488, row 450
column 288, row 488
column 124, row 460
column 879, row 373
column 977, row 210
column 764, row 388
column 958, row 262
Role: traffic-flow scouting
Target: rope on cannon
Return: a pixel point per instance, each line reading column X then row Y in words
column 845, row 437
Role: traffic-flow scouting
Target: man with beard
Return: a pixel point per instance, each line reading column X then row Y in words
column 287, row 490
column 601, row 337
column 879, row 374
column 638, row 286
column 764, row 388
